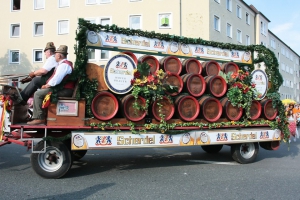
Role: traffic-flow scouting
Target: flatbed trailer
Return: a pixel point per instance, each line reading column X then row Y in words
column 69, row 132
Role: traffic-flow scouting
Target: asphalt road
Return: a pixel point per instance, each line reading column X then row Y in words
column 156, row 173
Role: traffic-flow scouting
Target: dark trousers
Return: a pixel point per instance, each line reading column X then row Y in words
column 29, row 90
column 36, row 84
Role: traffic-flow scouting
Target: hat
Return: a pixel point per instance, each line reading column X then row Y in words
column 63, row 49
column 49, row 45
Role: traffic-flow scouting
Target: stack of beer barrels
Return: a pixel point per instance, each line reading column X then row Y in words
column 201, row 94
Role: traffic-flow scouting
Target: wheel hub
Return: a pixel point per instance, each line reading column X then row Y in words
column 52, row 157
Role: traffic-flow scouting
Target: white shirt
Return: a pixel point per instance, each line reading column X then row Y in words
column 50, row 63
column 60, row 72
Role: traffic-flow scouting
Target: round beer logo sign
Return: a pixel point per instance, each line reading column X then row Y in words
column 92, row 37
column 260, row 79
column 118, row 73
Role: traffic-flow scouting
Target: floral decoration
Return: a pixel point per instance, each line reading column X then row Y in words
column 149, row 86
column 242, row 90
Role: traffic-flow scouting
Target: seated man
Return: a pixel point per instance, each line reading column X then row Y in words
column 61, row 72
column 35, row 77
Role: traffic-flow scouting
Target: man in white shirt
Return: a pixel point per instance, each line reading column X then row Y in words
column 36, row 76
column 63, row 69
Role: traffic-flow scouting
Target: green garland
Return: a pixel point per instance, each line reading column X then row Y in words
column 264, row 55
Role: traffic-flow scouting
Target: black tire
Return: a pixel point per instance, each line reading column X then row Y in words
column 212, row 148
column 60, row 160
column 244, row 153
column 77, row 155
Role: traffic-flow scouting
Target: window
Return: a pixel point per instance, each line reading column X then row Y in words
column 283, row 51
column 105, row 1
column 15, row 30
column 39, row 4
column 263, row 28
column 218, row 1
column 248, row 18
column 229, row 5
column 14, row 56
column 38, row 28
column 96, row 54
column 272, row 43
column 278, row 56
column 282, row 67
column 63, row 27
column 165, row 20
column 238, row 11
column 239, row 36
column 15, row 5
column 91, row 2
column 229, row 30
column 104, row 53
column 64, row 3
column 37, row 55
column 135, row 22
column 216, row 23
column 247, row 40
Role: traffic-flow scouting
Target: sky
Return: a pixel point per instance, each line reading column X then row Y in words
column 285, row 19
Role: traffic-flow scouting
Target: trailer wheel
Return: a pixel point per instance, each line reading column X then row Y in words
column 54, row 163
column 77, row 155
column 212, row 148
column 244, row 153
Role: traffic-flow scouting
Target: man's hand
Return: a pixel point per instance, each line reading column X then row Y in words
column 31, row 74
column 25, row 80
column 45, row 86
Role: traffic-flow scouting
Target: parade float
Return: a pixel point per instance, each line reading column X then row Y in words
column 157, row 90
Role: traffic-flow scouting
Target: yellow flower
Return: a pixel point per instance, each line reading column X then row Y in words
column 161, row 74
column 162, row 131
column 144, row 80
column 137, row 81
column 232, row 122
column 135, row 70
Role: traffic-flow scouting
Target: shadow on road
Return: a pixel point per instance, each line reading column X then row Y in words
column 81, row 194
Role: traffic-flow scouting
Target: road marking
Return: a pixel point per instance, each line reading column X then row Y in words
column 213, row 162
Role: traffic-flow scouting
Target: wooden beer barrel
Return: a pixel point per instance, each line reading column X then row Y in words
column 194, row 84
column 216, row 85
column 167, row 109
column 173, row 80
column 210, row 68
column 152, row 61
column 129, row 111
column 191, row 65
column 229, row 67
column 211, row 108
column 104, row 106
column 268, row 112
column 232, row 113
column 255, row 110
column 187, row 107
column 171, row 64
column 132, row 55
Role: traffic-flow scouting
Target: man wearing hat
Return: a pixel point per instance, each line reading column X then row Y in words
column 60, row 73
column 35, row 77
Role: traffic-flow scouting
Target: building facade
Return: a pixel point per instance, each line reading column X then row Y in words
column 31, row 24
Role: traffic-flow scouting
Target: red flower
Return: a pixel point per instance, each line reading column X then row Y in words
column 150, row 79
column 246, row 73
column 253, row 85
column 234, row 75
column 246, row 90
column 137, row 74
column 242, row 77
column 132, row 81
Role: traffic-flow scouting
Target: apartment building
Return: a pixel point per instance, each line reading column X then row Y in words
column 31, row 24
